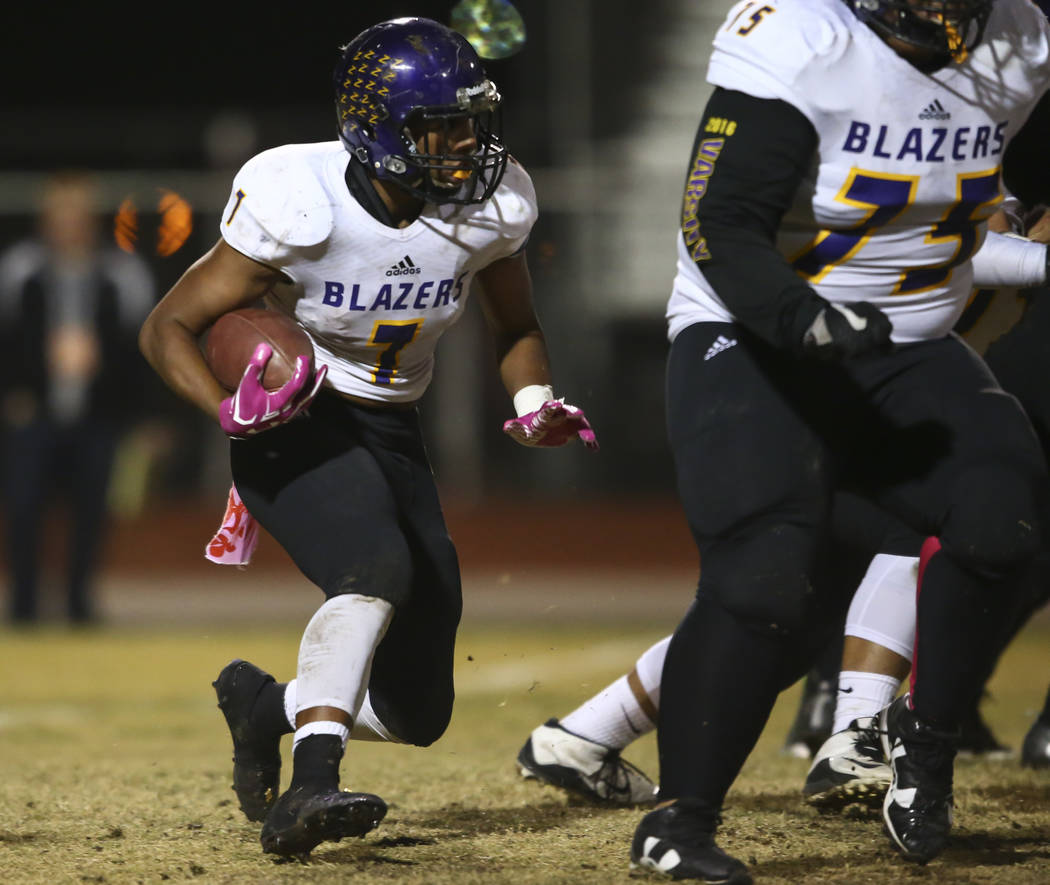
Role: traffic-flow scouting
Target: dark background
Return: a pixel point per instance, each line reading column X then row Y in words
column 132, row 94
column 111, row 89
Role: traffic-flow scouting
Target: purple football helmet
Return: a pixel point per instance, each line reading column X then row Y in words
column 946, row 29
column 401, row 78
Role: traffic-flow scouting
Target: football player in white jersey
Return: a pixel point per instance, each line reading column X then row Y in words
column 581, row 752
column 372, row 243
column 820, row 273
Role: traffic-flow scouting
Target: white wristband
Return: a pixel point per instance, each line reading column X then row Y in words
column 530, row 398
column 1009, row 260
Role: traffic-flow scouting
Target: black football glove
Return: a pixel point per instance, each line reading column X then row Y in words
column 839, row 331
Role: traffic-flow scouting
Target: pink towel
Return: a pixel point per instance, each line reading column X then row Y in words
column 234, row 542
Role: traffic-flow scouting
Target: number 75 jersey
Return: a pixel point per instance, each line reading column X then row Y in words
column 374, row 299
column 908, row 165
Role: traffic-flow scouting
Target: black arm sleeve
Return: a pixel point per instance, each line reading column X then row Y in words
column 768, row 147
column 1024, row 164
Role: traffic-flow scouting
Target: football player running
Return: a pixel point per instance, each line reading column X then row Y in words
column 372, row 243
column 820, row 273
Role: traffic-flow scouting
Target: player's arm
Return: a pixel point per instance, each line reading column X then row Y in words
column 221, row 280
column 524, row 365
column 506, row 301
column 1010, row 260
column 750, row 156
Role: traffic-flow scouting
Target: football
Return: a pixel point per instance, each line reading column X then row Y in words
column 232, row 340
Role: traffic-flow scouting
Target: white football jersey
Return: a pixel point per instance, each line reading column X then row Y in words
column 907, row 167
column 374, row 299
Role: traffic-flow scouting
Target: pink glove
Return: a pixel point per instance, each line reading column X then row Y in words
column 552, row 424
column 253, row 409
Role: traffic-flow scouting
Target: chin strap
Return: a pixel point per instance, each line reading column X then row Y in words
column 360, row 184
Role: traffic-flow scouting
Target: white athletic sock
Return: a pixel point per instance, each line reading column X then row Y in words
column 861, row 694
column 335, row 658
column 650, row 670
column 320, row 727
column 614, row 717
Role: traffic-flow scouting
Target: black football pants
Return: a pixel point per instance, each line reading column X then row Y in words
column 761, row 442
column 348, row 492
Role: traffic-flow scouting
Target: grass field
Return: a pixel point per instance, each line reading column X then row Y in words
column 115, row 767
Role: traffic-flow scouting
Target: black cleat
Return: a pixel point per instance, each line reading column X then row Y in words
column 917, row 810
column 1035, row 752
column 583, row 767
column 815, row 716
column 679, row 841
column 256, row 757
column 304, row 818
column 849, row 769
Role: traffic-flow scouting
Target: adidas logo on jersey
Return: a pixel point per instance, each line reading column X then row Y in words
column 934, row 111
column 403, row 267
column 721, row 343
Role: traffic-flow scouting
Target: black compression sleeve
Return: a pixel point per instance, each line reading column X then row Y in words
column 748, row 159
column 1024, row 164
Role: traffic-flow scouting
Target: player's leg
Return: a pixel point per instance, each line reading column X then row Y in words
column 349, row 543
column 581, row 751
column 1020, row 361
column 410, row 691
column 755, row 484
column 859, row 530
column 813, row 720
column 976, row 736
column 985, row 496
column 850, row 767
column 880, row 629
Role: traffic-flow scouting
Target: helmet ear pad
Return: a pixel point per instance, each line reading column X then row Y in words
column 409, row 70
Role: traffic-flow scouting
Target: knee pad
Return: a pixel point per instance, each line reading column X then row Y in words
column 993, row 524
column 763, row 579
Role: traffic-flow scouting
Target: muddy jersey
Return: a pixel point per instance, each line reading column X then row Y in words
column 374, row 299
column 907, row 166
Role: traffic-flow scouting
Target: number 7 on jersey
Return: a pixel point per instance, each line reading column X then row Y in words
column 392, row 338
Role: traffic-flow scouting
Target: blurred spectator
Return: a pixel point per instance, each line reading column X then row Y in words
column 70, row 309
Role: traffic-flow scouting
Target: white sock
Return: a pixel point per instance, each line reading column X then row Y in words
column 320, row 727
column 614, row 717
column 861, row 694
column 650, row 670
column 335, row 658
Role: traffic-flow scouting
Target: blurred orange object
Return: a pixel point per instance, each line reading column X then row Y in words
column 174, row 223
